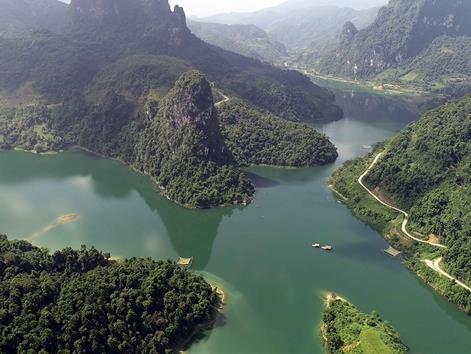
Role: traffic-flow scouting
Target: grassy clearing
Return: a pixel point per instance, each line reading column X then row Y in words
column 345, row 329
column 371, row 343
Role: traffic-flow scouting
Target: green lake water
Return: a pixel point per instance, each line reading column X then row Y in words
column 261, row 254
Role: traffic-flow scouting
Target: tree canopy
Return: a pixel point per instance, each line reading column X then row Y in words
column 80, row 301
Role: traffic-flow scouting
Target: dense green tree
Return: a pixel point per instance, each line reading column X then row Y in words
column 425, row 170
column 80, row 301
column 343, row 325
column 258, row 137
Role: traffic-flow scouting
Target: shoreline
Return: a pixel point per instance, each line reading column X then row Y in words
column 332, row 188
column 375, row 87
column 327, row 299
column 154, row 182
column 221, row 293
column 414, row 262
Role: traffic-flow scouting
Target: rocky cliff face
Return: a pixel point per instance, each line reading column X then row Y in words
column 349, row 31
column 402, row 30
column 132, row 23
column 184, row 149
column 189, row 120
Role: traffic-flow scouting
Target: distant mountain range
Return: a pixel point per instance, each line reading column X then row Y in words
column 298, row 25
column 262, row 17
column 127, row 79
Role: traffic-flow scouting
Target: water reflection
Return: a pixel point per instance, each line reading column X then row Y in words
column 366, row 106
column 191, row 232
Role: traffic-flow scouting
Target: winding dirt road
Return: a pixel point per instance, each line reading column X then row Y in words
column 435, row 265
column 224, row 99
column 406, row 215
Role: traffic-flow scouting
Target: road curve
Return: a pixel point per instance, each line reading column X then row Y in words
column 224, row 99
column 435, row 265
column 406, row 215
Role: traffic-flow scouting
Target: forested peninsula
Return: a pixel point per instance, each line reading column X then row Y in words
column 345, row 329
column 81, row 301
column 424, row 170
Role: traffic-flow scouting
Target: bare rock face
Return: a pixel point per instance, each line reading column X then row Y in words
column 402, row 30
column 190, row 119
column 148, row 26
column 184, row 149
column 348, row 33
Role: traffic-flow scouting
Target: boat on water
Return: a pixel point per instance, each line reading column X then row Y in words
column 316, row 245
column 327, row 248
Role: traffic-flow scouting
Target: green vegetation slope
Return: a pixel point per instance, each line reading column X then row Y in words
column 444, row 66
column 407, row 35
column 80, row 301
column 425, row 170
column 347, row 330
column 247, row 39
column 258, row 137
column 183, row 148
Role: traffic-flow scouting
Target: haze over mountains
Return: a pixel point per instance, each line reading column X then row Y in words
column 298, row 25
column 426, row 41
column 248, row 40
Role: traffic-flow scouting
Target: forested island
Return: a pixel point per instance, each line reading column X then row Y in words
column 345, row 329
column 81, row 301
column 425, row 170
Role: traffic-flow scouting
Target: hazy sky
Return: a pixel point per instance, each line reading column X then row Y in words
column 203, row 8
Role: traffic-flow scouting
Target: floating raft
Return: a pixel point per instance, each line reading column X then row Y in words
column 392, row 251
column 185, row 262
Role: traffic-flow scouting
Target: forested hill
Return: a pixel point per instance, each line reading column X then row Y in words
column 245, row 39
column 99, row 33
column 426, row 169
column 184, row 150
column 402, row 30
column 303, row 26
column 18, row 15
column 80, row 301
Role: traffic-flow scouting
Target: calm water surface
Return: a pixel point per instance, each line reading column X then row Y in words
column 261, row 254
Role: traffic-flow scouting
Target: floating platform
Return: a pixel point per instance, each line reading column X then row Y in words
column 392, row 251
column 185, row 262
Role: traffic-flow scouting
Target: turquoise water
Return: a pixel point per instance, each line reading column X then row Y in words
column 261, row 254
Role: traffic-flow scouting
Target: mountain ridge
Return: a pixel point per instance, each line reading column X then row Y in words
column 101, row 84
column 401, row 31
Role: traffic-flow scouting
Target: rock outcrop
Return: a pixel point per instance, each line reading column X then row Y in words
column 184, row 149
column 401, row 31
